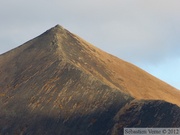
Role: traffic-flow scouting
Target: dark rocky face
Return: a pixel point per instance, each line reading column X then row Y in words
column 59, row 84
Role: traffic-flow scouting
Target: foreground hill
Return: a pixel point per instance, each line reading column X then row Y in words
column 58, row 83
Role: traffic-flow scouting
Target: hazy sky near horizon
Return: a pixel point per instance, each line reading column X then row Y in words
column 143, row 32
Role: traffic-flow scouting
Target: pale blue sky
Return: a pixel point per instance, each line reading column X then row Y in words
column 143, row 32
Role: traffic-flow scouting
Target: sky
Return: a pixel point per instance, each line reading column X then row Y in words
column 143, row 32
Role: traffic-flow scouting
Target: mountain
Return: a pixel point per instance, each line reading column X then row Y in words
column 57, row 83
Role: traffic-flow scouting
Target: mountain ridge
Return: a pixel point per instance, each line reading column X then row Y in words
column 99, row 54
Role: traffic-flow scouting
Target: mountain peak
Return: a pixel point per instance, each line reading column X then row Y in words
column 57, row 83
column 60, row 44
column 58, row 29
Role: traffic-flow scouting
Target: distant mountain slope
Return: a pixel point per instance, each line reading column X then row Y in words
column 58, row 83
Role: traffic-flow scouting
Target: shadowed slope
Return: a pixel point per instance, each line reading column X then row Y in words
column 146, row 113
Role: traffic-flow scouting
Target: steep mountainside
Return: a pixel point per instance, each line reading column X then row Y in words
column 58, row 83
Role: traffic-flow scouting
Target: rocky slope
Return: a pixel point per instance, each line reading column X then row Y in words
column 58, row 83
